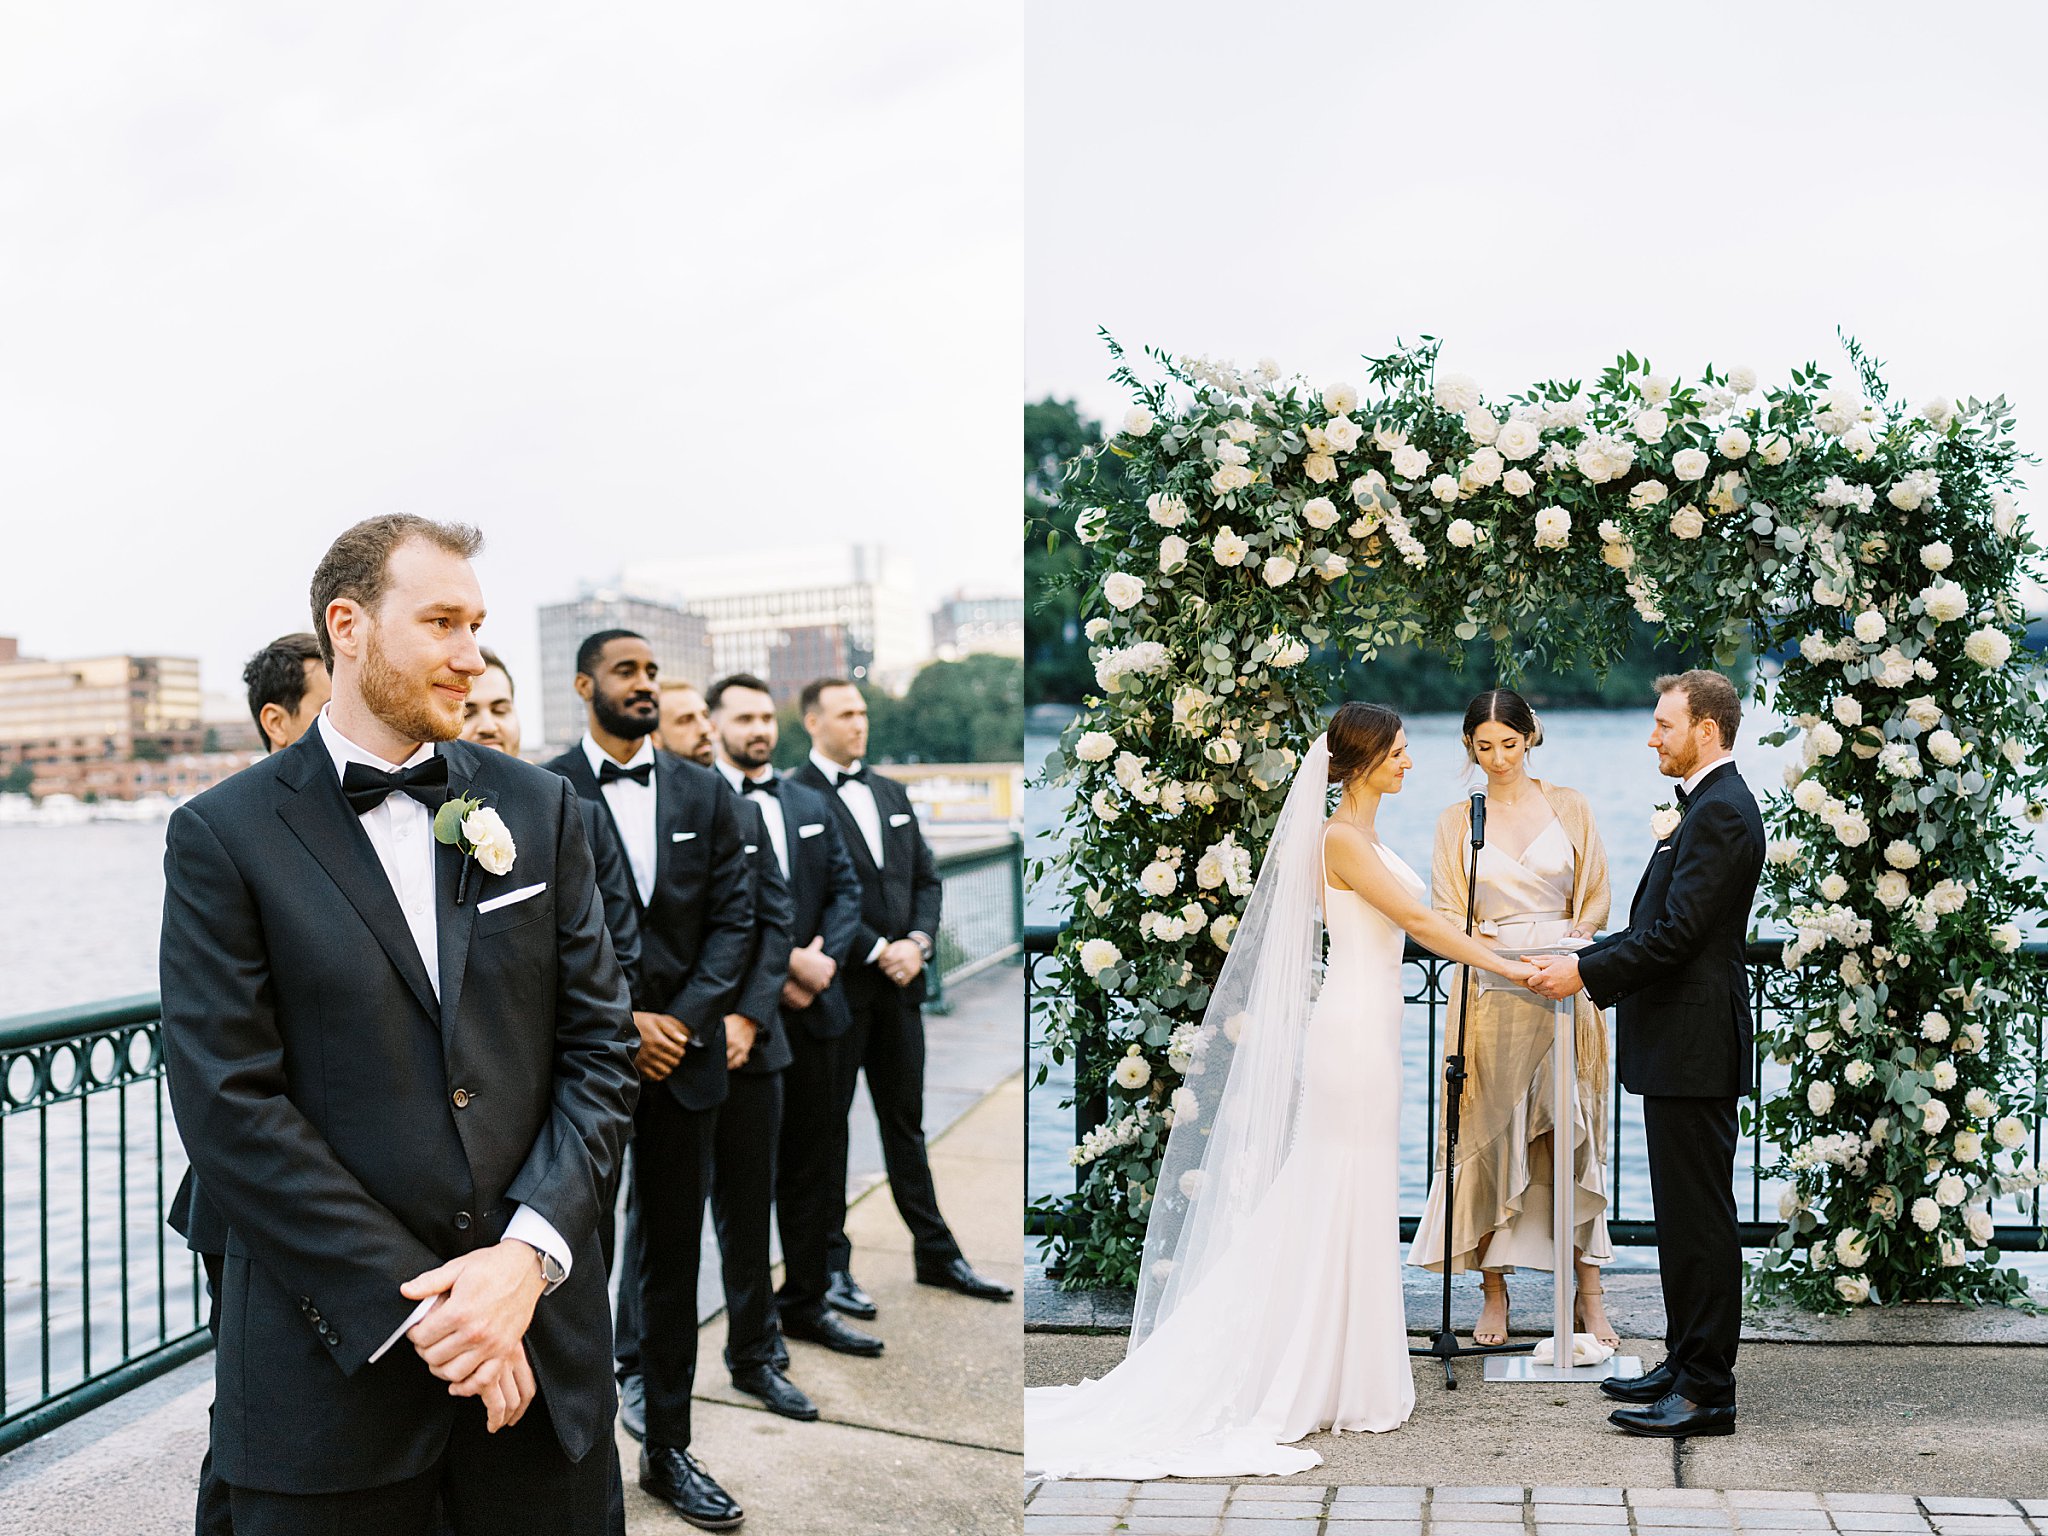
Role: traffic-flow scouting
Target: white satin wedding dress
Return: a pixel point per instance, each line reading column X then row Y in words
column 1300, row 1326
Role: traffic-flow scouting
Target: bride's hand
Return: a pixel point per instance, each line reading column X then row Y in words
column 1519, row 972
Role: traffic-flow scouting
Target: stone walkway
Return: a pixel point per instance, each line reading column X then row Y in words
column 1266, row 1509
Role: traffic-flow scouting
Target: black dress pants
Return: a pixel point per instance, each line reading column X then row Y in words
column 742, row 1192
column 672, row 1153
column 515, row 1480
column 212, row 1516
column 810, row 1169
column 887, row 1043
column 1691, row 1145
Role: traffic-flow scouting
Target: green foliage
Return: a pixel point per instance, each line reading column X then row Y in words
column 17, row 780
column 1245, row 542
column 147, row 750
column 965, row 711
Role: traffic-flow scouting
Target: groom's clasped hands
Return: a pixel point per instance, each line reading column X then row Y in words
column 473, row 1336
column 1555, row 977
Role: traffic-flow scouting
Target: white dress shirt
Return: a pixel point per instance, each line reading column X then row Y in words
column 401, row 831
column 771, row 807
column 1693, row 783
column 859, row 799
column 633, row 808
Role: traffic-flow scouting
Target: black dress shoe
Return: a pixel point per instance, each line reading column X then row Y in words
column 1646, row 1388
column 780, row 1359
column 1673, row 1417
column 821, row 1327
column 776, row 1390
column 955, row 1275
column 633, row 1406
column 843, row 1294
column 672, row 1476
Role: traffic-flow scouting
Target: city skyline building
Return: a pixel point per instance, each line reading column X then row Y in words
column 76, row 722
column 984, row 623
column 678, row 638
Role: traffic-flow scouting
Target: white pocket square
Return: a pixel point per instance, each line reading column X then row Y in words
column 753, row 848
column 524, row 893
column 681, row 837
column 810, row 829
column 899, row 818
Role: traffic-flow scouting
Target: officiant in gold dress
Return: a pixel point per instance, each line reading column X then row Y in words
column 1542, row 880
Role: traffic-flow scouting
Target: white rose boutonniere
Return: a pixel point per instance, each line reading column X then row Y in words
column 480, row 832
column 1664, row 821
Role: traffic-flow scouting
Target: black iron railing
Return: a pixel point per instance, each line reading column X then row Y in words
column 1773, row 990
column 97, row 1294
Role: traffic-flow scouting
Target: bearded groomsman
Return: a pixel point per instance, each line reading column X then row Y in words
column 885, row 986
column 683, row 835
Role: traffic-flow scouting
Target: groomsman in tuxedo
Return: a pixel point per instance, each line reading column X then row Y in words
column 799, row 1161
column 287, row 688
column 885, row 986
column 682, row 830
column 1676, row 980
column 381, row 1349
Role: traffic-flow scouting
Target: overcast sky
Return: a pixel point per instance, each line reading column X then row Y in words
column 610, row 281
column 1543, row 187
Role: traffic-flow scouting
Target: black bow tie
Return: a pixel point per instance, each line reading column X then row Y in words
column 367, row 787
column 609, row 771
column 858, row 776
column 1684, row 799
column 767, row 786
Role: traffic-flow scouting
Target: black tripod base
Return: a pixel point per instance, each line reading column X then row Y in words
column 1444, row 1346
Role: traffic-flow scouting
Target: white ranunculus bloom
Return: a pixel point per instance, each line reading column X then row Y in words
column 1945, row 748
column 1137, row 421
column 1689, row 464
column 1553, row 528
column 1278, row 570
column 1444, row 489
column 1969, row 1146
column 1517, row 482
column 1809, row 795
column 1186, row 1104
column 1646, row 493
column 1461, row 533
column 1979, row 1104
column 1686, row 523
column 1870, row 626
column 1820, row 1097
column 1481, row 425
column 1168, row 511
column 1937, row 556
column 1133, row 1073
column 1173, row 553
column 1518, row 440
column 1733, row 443
column 490, row 840
column 1456, row 393
column 2010, row 1133
column 1742, row 379
column 1854, row 1289
column 1095, row 747
column 1834, row 887
column 2014, row 751
column 1410, row 463
column 1851, row 1251
column 1655, row 388
column 1650, row 425
column 1340, row 399
column 1233, row 452
column 1775, row 448
column 1320, row 512
column 1926, row 1214
column 1158, row 879
column 1228, row 548
column 1989, row 648
column 1944, row 1075
column 1097, row 956
column 1938, row 412
column 1122, row 591
column 1097, row 628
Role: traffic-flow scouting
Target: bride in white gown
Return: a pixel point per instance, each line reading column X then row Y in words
column 1269, row 1302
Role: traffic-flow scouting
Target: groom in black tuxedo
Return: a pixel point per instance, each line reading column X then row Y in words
column 885, row 986
column 405, row 1081
column 1676, row 980
column 682, row 831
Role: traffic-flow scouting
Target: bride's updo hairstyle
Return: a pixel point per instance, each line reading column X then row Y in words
column 1361, row 736
column 1506, row 707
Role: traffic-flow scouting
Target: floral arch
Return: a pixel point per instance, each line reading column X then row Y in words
column 1250, row 519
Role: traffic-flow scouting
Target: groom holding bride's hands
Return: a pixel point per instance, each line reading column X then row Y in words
column 1675, row 978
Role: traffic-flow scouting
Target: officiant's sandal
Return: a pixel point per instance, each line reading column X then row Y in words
column 1605, row 1332
column 1494, row 1287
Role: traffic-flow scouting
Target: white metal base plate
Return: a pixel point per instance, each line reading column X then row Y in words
column 1522, row 1368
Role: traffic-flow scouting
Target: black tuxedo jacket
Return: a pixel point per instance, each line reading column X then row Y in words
column 768, row 965
column 898, row 899
column 696, row 935
column 354, row 1129
column 1675, row 976
column 825, row 894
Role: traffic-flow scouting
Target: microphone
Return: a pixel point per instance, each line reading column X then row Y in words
column 1478, row 819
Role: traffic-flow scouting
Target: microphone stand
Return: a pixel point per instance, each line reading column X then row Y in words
column 1443, row 1344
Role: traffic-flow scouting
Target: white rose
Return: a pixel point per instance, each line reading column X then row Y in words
column 1982, row 1229
column 1663, row 823
column 1937, row 557
column 1859, row 442
column 1122, row 590
column 490, row 840
column 1456, row 393
column 1776, row 448
column 1461, row 533
column 1133, row 1073
column 1951, row 1190
column 1621, row 556
column 1410, row 463
column 1104, row 805
column 1221, row 930
column 1137, row 421
column 1228, row 548
column 1933, row 1117
column 1854, row 1289
column 1553, row 528
column 1173, row 553
column 1518, row 440
column 1857, row 1073
column 1820, row 1097
column 1852, row 830
column 1097, row 628
column 1278, row 570
column 1517, row 482
column 1732, row 443
column 1089, row 526
column 1342, row 433
column 1689, row 464
column 1167, row 511
column 1969, row 1146
column 2005, row 515
column 1926, row 1214
column 1185, row 1103
column 1319, row 467
column 1686, row 523
column 1646, row 493
column 1191, row 1181
column 1988, row 647
column 1783, row 850
column 1979, row 1104
column 1892, row 889
column 1444, row 488
column 1481, row 425
column 1320, row 512
column 1339, row 399
column 2010, row 1133
column 2005, row 937
column 1483, row 470
column 1650, row 425
column 1095, row 747
column 1230, row 478
column 1901, row 854
column 1097, row 956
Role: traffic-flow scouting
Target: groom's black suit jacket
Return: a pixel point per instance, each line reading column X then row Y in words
column 898, row 899
column 314, row 1075
column 1675, row 976
column 825, row 895
column 697, row 934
